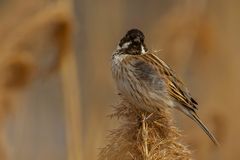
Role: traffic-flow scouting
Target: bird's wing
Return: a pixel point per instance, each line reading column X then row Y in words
column 155, row 73
column 178, row 91
column 175, row 86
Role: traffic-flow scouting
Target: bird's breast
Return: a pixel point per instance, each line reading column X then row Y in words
column 126, row 82
column 136, row 90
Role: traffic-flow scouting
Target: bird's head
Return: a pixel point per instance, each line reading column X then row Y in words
column 133, row 43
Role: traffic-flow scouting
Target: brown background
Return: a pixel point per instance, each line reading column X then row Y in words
column 57, row 111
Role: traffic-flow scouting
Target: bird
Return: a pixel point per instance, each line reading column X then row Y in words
column 148, row 82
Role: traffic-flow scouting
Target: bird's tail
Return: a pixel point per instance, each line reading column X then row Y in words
column 196, row 119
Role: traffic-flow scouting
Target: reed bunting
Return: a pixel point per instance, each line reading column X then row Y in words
column 148, row 82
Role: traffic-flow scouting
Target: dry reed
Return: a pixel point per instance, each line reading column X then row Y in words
column 36, row 34
column 143, row 136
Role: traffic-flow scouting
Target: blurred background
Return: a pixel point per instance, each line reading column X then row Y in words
column 56, row 88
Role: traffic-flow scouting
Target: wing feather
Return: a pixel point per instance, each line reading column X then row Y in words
column 156, row 73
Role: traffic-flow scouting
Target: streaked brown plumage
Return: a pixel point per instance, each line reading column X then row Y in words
column 147, row 82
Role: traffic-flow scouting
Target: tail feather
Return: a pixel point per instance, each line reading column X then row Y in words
column 196, row 119
column 204, row 128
